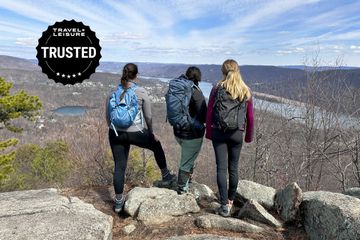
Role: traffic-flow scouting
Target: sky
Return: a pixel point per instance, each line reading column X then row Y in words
column 254, row 32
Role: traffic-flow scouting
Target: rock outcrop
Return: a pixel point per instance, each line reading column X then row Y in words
column 253, row 210
column 264, row 195
column 354, row 192
column 44, row 214
column 328, row 215
column 211, row 221
column 158, row 205
column 205, row 237
column 287, row 202
column 201, row 191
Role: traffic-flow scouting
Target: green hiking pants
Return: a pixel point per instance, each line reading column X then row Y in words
column 190, row 149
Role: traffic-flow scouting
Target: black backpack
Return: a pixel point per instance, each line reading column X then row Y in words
column 229, row 113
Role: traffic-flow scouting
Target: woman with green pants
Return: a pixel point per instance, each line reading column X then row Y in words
column 191, row 140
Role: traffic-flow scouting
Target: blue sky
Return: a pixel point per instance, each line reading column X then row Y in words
column 263, row 32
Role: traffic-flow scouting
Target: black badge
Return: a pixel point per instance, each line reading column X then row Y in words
column 68, row 52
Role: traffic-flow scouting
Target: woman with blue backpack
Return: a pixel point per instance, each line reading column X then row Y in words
column 128, row 108
column 230, row 113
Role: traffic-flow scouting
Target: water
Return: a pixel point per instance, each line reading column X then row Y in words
column 204, row 86
column 289, row 111
column 72, row 111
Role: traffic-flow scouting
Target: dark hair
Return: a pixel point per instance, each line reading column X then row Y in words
column 193, row 74
column 129, row 73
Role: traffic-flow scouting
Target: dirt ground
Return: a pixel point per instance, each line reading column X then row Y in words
column 102, row 199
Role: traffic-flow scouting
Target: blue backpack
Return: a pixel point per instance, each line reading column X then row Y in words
column 123, row 107
column 177, row 103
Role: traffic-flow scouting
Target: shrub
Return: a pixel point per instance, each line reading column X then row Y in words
column 141, row 169
column 36, row 166
column 51, row 164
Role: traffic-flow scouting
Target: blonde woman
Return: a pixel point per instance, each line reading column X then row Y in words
column 230, row 113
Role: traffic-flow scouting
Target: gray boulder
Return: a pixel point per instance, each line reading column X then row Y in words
column 44, row 214
column 201, row 191
column 214, row 205
column 129, row 229
column 354, row 192
column 287, row 202
column 253, row 210
column 138, row 195
column 158, row 205
column 205, row 237
column 329, row 215
column 211, row 221
column 264, row 195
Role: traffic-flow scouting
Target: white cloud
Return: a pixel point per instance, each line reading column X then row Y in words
column 351, row 35
column 31, row 10
column 290, row 51
column 339, row 16
column 15, row 29
column 28, row 41
column 115, row 37
column 270, row 10
column 129, row 18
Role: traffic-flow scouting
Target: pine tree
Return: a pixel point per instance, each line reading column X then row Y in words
column 13, row 106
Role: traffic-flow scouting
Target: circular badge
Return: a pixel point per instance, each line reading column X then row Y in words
column 68, row 52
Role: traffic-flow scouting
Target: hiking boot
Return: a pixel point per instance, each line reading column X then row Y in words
column 190, row 178
column 183, row 181
column 180, row 191
column 224, row 210
column 119, row 204
column 170, row 177
column 168, row 182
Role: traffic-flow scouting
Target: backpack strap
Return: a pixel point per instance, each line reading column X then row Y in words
column 120, row 92
column 197, row 87
column 117, row 93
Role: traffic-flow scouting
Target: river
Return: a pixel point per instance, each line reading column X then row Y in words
column 287, row 110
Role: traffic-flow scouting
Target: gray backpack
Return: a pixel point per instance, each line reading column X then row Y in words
column 177, row 103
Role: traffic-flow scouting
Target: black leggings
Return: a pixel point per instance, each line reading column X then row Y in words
column 227, row 148
column 120, row 146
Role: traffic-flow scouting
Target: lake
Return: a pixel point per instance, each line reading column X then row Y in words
column 71, row 111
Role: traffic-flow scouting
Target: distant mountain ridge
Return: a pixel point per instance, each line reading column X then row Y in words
column 283, row 81
column 8, row 62
column 319, row 68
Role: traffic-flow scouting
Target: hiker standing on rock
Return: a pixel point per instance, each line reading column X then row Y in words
column 186, row 112
column 230, row 113
column 127, row 108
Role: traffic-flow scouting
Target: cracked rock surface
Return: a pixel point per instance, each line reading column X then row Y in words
column 22, row 215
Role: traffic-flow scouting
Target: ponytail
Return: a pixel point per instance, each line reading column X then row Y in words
column 129, row 73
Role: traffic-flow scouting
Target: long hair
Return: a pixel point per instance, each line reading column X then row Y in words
column 233, row 82
column 129, row 73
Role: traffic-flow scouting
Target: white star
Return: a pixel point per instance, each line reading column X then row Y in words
column 58, row 74
column 68, row 76
column 79, row 73
column 74, row 75
column 63, row 75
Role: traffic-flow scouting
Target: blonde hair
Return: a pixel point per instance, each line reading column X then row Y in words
column 233, row 82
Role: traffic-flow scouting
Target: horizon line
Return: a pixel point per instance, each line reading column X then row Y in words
column 219, row 64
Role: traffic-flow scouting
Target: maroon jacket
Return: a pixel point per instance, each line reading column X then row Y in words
column 249, row 129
